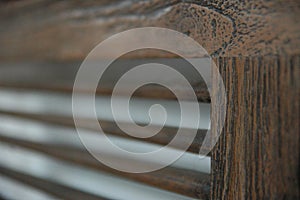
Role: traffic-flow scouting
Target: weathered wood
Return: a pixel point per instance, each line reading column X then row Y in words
column 164, row 137
column 58, row 30
column 257, row 156
column 56, row 189
column 185, row 182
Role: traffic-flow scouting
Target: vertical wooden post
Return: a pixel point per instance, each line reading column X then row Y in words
column 257, row 155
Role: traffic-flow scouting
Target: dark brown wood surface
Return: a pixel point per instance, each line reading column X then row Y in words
column 256, row 45
column 185, row 182
column 55, row 189
column 257, row 156
column 60, row 30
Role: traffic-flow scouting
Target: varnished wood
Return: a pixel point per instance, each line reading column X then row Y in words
column 257, row 156
column 185, row 182
column 256, row 45
column 58, row 30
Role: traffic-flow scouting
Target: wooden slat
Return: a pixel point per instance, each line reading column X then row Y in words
column 257, row 156
column 50, row 134
column 52, row 103
column 60, row 77
column 82, row 178
column 56, row 189
column 185, row 182
column 57, row 30
column 162, row 138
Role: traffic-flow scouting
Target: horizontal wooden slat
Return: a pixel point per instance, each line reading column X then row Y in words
column 185, row 182
column 162, row 138
column 56, row 189
column 58, row 30
column 60, row 77
column 52, row 103
column 75, row 176
column 57, row 135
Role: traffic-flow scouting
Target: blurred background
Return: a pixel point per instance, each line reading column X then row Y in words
column 42, row 157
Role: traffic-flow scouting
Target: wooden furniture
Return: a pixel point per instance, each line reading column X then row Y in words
column 255, row 44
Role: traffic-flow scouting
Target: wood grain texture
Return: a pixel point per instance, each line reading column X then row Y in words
column 257, row 156
column 59, row 30
column 185, row 182
column 55, row 189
